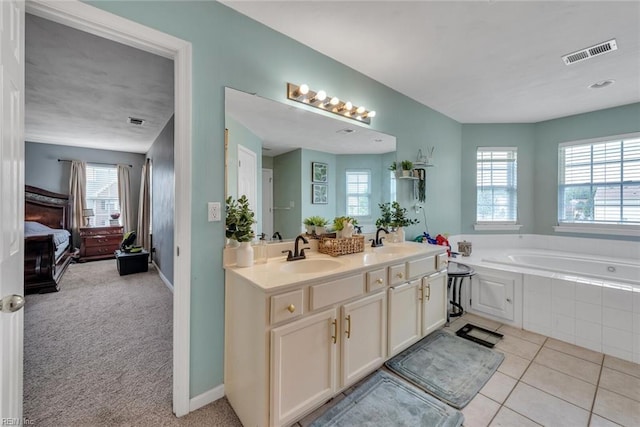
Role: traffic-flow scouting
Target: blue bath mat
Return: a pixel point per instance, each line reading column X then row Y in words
column 385, row 400
column 450, row 368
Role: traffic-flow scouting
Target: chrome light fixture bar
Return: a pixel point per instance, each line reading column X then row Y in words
column 320, row 99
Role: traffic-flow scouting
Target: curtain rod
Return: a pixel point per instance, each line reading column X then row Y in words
column 94, row 163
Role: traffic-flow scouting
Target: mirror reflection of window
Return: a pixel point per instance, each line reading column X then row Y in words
column 358, row 193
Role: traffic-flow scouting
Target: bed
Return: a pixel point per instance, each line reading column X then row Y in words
column 47, row 239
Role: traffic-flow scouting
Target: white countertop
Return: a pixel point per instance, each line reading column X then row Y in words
column 273, row 275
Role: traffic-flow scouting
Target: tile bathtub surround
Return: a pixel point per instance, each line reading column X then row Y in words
column 550, row 382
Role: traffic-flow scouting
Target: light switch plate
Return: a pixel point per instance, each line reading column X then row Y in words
column 213, row 209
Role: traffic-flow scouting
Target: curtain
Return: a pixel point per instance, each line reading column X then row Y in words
column 144, row 208
column 77, row 193
column 124, row 195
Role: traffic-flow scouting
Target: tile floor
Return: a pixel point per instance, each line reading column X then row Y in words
column 543, row 381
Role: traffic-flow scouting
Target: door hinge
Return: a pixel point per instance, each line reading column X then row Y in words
column 469, row 301
column 270, row 179
column 178, row 250
column 239, row 163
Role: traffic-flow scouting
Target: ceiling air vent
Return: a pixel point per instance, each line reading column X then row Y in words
column 134, row 121
column 345, row 131
column 590, row 52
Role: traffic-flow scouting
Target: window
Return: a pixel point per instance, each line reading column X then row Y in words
column 102, row 193
column 599, row 182
column 496, row 185
column 358, row 193
column 392, row 186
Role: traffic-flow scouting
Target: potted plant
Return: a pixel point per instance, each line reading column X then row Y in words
column 320, row 224
column 309, row 225
column 344, row 225
column 238, row 221
column 399, row 220
column 385, row 220
column 392, row 167
column 407, row 165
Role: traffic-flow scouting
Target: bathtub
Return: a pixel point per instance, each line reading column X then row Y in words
column 582, row 291
column 591, row 266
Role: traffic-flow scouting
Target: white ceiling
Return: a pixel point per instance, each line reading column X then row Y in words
column 283, row 128
column 80, row 89
column 475, row 61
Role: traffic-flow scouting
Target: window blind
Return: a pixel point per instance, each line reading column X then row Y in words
column 599, row 182
column 496, row 185
column 102, row 193
column 358, row 192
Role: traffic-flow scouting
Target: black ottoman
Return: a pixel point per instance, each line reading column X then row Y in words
column 129, row 263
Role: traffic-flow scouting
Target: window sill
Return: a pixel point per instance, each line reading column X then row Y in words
column 618, row 230
column 497, row 227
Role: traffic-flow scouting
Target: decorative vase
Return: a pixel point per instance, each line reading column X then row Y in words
column 309, row 228
column 405, row 172
column 244, row 255
column 399, row 235
column 320, row 230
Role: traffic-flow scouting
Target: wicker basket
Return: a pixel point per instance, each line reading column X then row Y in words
column 341, row 246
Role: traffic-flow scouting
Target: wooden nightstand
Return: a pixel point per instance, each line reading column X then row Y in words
column 99, row 242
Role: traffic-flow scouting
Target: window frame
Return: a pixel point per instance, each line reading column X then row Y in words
column 482, row 225
column 593, row 227
column 368, row 195
column 91, row 202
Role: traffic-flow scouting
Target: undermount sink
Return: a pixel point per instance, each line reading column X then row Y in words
column 394, row 250
column 311, row 266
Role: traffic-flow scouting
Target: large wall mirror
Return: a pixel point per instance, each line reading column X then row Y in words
column 292, row 164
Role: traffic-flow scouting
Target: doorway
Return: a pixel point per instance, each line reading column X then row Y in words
column 104, row 24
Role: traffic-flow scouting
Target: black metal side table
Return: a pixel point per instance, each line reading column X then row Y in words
column 456, row 274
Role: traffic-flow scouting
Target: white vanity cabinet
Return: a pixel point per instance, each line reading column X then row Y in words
column 289, row 348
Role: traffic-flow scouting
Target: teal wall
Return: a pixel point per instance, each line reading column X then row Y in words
column 287, row 194
column 267, row 162
column 240, row 135
column 498, row 135
column 612, row 121
column 538, row 161
column 230, row 49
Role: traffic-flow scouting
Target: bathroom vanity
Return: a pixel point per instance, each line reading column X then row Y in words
column 297, row 333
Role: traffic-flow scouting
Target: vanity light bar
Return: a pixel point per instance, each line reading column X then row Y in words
column 332, row 104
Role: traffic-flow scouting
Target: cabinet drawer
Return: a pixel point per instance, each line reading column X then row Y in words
column 100, row 231
column 442, row 260
column 100, row 250
column 335, row 291
column 376, row 279
column 397, row 274
column 287, row 306
column 421, row 267
column 103, row 241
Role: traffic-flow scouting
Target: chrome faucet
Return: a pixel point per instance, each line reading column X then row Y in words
column 297, row 255
column 377, row 242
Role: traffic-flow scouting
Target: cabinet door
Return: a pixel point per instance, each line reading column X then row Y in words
column 493, row 294
column 364, row 336
column 303, row 365
column 434, row 302
column 404, row 316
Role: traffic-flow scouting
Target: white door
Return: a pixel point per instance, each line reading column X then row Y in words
column 267, row 202
column 493, row 295
column 404, row 316
column 248, row 178
column 364, row 336
column 434, row 302
column 11, row 208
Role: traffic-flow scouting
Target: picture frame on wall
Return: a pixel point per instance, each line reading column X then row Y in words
column 319, row 194
column 319, row 172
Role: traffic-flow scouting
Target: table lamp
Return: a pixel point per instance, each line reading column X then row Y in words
column 87, row 214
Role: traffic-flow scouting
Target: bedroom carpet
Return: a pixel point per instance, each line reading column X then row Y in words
column 99, row 353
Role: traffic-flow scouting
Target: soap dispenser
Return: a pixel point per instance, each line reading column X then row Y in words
column 261, row 250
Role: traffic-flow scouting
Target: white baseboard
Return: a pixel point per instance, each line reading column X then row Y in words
column 163, row 277
column 206, row 398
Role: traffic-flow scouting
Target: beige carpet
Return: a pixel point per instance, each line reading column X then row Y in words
column 99, row 353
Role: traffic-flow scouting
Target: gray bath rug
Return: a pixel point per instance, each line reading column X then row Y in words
column 450, row 368
column 384, row 400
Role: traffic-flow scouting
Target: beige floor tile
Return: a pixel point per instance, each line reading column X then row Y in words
column 564, row 386
column 508, row 418
column 480, row 411
column 620, row 383
column 544, row 408
column 518, row 346
column 568, row 364
column 574, row 350
column 498, row 387
column 521, row 333
column 455, row 324
column 513, row 365
column 622, row 365
column 598, row 421
column 480, row 321
column 617, row 408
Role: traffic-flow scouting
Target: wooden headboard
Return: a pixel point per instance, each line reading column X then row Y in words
column 46, row 207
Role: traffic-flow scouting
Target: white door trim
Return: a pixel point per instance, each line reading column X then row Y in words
column 84, row 17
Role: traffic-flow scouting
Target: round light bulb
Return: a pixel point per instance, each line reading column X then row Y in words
column 361, row 110
column 303, row 89
column 348, row 106
column 321, row 95
column 371, row 114
column 334, row 101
